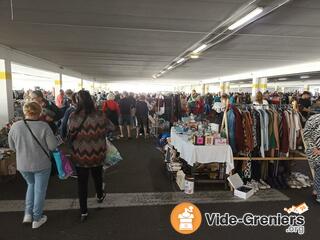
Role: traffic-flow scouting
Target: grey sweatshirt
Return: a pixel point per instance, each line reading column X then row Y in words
column 30, row 156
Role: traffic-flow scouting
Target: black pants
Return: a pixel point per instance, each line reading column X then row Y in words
column 83, row 178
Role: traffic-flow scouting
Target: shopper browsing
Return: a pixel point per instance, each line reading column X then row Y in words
column 87, row 132
column 305, row 104
column 142, row 112
column 32, row 140
column 125, row 119
column 111, row 108
column 312, row 141
column 50, row 112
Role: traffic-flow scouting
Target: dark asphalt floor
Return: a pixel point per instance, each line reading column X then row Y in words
column 142, row 171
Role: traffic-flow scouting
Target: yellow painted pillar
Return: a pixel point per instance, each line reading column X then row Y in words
column 263, row 84
column 222, row 89
column 306, row 87
column 80, row 85
column 227, row 87
column 57, row 85
column 255, row 86
column 6, row 95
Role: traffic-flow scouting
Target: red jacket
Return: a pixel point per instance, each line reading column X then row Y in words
column 111, row 105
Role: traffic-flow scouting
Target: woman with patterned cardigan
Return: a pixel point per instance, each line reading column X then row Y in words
column 87, row 132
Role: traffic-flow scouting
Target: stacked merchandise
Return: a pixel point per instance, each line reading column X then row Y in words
column 4, row 133
column 7, row 162
column 173, row 164
column 200, row 133
column 261, row 131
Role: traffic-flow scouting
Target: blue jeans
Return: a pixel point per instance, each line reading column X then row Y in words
column 36, row 192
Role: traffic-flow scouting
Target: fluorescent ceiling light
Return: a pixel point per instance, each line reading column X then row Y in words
column 194, row 56
column 170, row 67
column 199, row 49
column 181, row 60
column 282, row 79
column 154, row 76
column 246, row 18
column 305, row 77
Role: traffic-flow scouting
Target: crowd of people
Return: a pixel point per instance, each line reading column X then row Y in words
column 85, row 121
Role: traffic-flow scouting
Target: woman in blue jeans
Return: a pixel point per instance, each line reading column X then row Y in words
column 32, row 140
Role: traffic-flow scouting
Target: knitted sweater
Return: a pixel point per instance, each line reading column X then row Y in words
column 30, row 156
column 89, row 145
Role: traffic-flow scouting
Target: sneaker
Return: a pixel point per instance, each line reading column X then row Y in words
column 303, row 182
column 258, row 185
column 37, row 224
column 265, row 184
column 84, row 217
column 27, row 219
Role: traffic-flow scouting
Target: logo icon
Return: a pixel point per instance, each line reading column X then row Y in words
column 186, row 218
column 300, row 209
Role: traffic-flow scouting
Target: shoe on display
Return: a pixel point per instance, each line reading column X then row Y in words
column 84, row 217
column 298, row 184
column 27, row 219
column 292, row 184
column 259, row 185
column 37, row 224
column 265, row 184
column 303, row 182
column 298, row 174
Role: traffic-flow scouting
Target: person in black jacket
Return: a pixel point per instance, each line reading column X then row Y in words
column 142, row 112
column 50, row 112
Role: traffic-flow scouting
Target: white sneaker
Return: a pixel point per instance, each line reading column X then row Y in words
column 37, row 224
column 303, row 182
column 27, row 218
column 265, row 184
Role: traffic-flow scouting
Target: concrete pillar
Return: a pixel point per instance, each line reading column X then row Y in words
column 306, row 87
column 222, row 90
column 57, row 85
column 206, row 88
column 263, row 84
column 6, row 94
column 80, row 84
column 227, row 87
column 255, row 86
column 203, row 89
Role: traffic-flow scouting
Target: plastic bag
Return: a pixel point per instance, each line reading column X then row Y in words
column 63, row 165
column 113, row 155
column 57, row 158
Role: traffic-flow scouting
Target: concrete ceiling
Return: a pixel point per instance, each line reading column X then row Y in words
column 126, row 39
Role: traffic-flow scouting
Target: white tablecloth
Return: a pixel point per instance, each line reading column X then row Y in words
column 202, row 154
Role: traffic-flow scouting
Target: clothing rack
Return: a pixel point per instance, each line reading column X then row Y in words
column 301, row 157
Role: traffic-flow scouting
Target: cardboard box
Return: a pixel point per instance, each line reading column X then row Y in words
column 220, row 141
column 240, row 190
column 8, row 166
column 209, row 140
column 198, row 140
